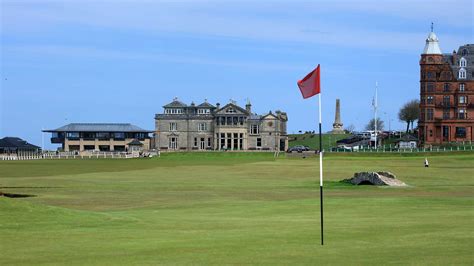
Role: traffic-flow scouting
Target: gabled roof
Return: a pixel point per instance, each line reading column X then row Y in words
column 13, row 142
column 99, row 127
column 270, row 114
column 242, row 110
column 175, row 103
column 206, row 105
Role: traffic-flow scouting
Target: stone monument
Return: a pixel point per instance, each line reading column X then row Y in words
column 337, row 125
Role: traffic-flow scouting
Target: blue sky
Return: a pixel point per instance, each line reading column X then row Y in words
column 121, row 61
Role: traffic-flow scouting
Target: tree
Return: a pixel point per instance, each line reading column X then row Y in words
column 349, row 129
column 371, row 125
column 409, row 113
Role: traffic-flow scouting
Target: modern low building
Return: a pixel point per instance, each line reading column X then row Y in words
column 16, row 145
column 446, row 94
column 209, row 127
column 101, row 137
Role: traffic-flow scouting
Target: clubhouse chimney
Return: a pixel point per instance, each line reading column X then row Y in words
column 248, row 107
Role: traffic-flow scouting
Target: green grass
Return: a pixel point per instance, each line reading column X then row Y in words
column 312, row 140
column 236, row 208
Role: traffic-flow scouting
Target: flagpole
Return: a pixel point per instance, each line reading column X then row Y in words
column 375, row 115
column 321, row 170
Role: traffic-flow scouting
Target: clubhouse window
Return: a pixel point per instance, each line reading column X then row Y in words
column 173, row 111
column 204, row 111
column 254, row 129
column 230, row 110
column 462, row 114
column 195, row 142
column 259, row 142
column 202, row 126
column 208, row 142
column 462, row 87
column 173, row 126
column 462, row 99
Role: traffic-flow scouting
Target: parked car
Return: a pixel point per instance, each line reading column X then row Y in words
column 298, row 148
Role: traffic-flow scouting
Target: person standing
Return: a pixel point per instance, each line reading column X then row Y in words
column 427, row 164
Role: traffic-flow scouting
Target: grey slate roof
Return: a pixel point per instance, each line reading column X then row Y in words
column 205, row 105
column 466, row 51
column 16, row 143
column 175, row 103
column 99, row 127
column 135, row 142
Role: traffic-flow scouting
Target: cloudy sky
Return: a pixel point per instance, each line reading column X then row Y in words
column 121, row 61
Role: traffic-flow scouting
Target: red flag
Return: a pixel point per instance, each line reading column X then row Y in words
column 311, row 84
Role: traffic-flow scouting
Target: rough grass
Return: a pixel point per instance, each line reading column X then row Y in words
column 236, row 208
column 312, row 140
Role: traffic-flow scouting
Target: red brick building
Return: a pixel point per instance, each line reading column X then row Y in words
column 446, row 94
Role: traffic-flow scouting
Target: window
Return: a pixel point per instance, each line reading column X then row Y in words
column 464, row 52
column 103, row 136
column 462, row 62
column 429, row 114
column 445, row 113
column 72, row 135
column 460, row 132
column 429, row 99
column 208, row 142
column 202, row 126
column 462, row 73
column 422, row 99
column 462, row 113
column 254, row 129
column 461, row 87
column 430, row 75
column 446, row 100
column 204, row 111
column 195, row 142
column 222, row 120
column 446, row 75
column 173, row 111
column 259, row 142
column 422, row 87
column 173, row 126
column 119, row 135
column 230, row 110
column 462, row 99
column 430, row 87
column 447, row 87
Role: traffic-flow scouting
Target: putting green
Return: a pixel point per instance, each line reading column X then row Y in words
column 236, row 208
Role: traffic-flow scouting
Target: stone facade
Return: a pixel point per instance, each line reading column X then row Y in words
column 208, row 127
column 446, row 94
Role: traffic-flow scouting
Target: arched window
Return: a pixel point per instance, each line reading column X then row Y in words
column 462, row 62
column 462, row 73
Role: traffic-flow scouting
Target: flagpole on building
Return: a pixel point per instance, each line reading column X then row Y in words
column 321, row 171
